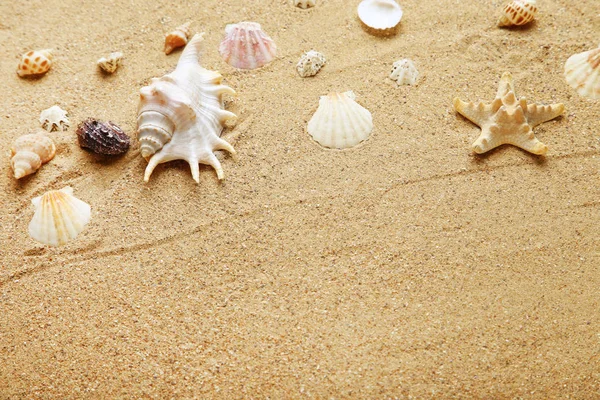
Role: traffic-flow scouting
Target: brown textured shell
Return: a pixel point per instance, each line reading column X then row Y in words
column 35, row 63
column 517, row 13
column 102, row 137
column 29, row 152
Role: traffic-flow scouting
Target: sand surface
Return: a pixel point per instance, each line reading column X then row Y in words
column 407, row 267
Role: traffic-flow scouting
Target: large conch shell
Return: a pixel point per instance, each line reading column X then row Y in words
column 181, row 115
column 59, row 217
column 29, row 152
column 582, row 72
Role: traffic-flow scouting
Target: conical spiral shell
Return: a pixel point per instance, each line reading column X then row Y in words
column 59, row 217
column 518, row 12
column 340, row 122
column 29, row 152
column 582, row 72
column 177, row 38
column 35, row 63
column 246, row 46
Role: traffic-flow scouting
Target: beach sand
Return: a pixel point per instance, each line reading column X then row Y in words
column 407, row 267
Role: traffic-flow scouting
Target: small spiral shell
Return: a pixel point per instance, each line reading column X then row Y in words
column 35, row 63
column 517, row 13
column 29, row 152
column 177, row 38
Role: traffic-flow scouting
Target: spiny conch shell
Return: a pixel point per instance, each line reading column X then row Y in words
column 59, row 217
column 304, row 3
column 177, row 38
column 102, row 137
column 518, row 12
column 340, row 122
column 404, row 72
column 29, row 152
column 35, row 63
column 111, row 63
column 54, row 118
column 380, row 17
column 181, row 115
column 310, row 63
column 246, row 46
column 582, row 72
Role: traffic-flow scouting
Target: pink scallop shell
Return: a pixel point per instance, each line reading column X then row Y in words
column 246, row 46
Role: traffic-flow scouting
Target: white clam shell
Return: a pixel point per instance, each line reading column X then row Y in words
column 181, row 115
column 404, row 72
column 582, row 72
column 246, row 46
column 310, row 63
column 59, row 217
column 340, row 122
column 380, row 15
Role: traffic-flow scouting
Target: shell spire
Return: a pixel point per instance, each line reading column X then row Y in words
column 191, row 53
column 29, row 152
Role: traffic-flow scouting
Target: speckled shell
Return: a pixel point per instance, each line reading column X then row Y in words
column 181, row 115
column 340, row 122
column 310, row 63
column 582, row 72
column 29, row 152
column 54, row 119
column 102, row 137
column 304, row 3
column 35, row 63
column 518, row 12
column 111, row 63
column 404, row 72
column 177, row 38
column 380, row 17
column 246, row 46
column 59, row 217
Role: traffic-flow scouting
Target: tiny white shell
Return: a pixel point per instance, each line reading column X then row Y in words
column 54, row 118
column 310, row 63
column 304, row 3
column 111, row 63
column 340, row 122
column 381, row 16
column 404, row 72
column 59, row 217
column 582, row 72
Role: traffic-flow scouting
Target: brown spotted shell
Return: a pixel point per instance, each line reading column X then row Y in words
column 35, row 63
column 518, row 12
column 102, row 137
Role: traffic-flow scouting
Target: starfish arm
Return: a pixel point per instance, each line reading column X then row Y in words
column 506, row 85
column 528, row 141
column 537, row 114
column 487, row 140
column 477, row 114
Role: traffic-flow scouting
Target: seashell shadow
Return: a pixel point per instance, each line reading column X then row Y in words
column 526, row 27
column 481, row 159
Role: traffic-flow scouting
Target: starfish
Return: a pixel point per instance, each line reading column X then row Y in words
column 508, row 120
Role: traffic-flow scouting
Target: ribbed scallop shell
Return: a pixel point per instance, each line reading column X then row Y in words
column 380, row 16
column 59, row 217
column 29, row 152
column 177, row 38
column 518, row 12
column 34, row 63
column 404, row 72
column 105, row 138
column 582, row 72
column 246, row 46
column 181, row 115
column 340, row 122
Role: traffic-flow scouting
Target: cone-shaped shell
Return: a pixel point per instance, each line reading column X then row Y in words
column 29, row 152
column 404, row 72
column 246, row 46
column 582, row 72
column 181, row 115
column 380, row 17
column 35, row 63
column 517, row 13
column 340, row 122
column 59, row 217
column 177, row 38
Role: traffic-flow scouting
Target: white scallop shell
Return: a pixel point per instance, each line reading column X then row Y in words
column 59, row 217
column 310, row 63
column 181, row 115
column 582, row 72
column 340, row 122
column 304, row 3
column 380, row 15
column 54, row 118
column 246, row 46
column 111, row 63
column 404, row 72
